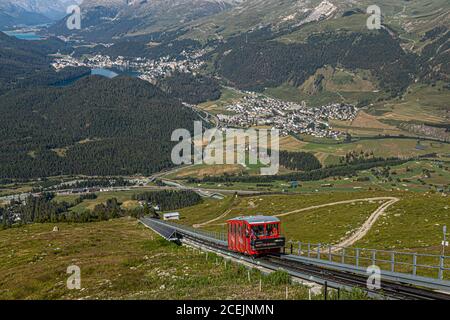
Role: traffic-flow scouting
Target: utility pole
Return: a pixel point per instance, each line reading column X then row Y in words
column 444, row 243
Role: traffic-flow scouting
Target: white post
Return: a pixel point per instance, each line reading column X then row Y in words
column 260, row 284
column 287, row 292
column 444, row 230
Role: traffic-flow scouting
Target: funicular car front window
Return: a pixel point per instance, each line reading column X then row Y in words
column 272, row 229
column 258, row 230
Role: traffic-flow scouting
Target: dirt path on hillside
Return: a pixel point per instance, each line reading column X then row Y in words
column 223, row 215
column 364, row 229
column 359, row 234
column 366, row 226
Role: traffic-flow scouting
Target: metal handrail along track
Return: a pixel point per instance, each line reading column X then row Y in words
column 335, row 278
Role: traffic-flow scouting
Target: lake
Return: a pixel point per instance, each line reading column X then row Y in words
column 99, row 72
column 24, row 35
column 104, row 72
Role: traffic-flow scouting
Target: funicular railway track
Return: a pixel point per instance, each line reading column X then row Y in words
column 336, row 279
column 388, row 289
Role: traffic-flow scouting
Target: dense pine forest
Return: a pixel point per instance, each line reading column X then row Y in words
column 25, row 64
column 97, row 126
column 251, row 63
column 312, row 175
column 170, row 200
column 44, row 209
column 299, row 161
column 193, row 89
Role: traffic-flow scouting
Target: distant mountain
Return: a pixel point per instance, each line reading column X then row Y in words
column 107, row 19
column 308, row 45
column 32, row 12
column 209, row 19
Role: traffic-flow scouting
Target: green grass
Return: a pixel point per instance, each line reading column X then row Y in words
column 421, row 102
column 407, row 177
column 386, row 147
column 404, row 226
column 229, row 95
column 121, row 259
column 354, row 23
column 412, row 225
column 123, row 197
column 205, row 211
column 324, row 225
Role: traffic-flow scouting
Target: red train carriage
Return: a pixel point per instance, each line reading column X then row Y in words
column 255, row 236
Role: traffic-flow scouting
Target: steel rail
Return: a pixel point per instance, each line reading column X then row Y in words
column 333, row 278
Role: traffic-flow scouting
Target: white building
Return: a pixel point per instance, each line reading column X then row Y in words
column 172, row 216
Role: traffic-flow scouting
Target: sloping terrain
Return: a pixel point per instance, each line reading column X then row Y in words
column 31, row 12
column 27, row 63
column 97, row 126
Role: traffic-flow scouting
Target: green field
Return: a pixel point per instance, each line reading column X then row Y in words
column 121, row 259
column 419, row 176
column 229, row 96
column 413, row 223
column 386, row 147
column 123, row 197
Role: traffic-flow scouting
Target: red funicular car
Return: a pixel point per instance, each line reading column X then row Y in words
column 256, row 235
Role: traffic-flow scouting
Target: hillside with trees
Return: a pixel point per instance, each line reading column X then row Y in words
column 254, row 63
column 170, row 200
column 190, row 88
column 300, row 161
column 25, row 64
column 96, row 127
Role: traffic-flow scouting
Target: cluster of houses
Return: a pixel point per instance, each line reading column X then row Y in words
column 289, row 117
column 147, row 69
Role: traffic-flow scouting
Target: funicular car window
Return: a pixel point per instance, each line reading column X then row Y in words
column 258, row 230
column 271, row 229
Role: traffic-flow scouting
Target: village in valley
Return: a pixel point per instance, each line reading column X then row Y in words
column 258, row 110
column 146, row 69
column 254, row 109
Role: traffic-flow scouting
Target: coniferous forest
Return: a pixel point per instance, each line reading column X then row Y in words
column 96, row 126
column 170, row 200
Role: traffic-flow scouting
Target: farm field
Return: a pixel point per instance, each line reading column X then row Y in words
column 229, row 96
column 388, row 147
column 413, row 223
column 426, row 103
column 329, row 151
column 420, row 176
column 123, row 197
column 366, row 124
column 13, row 189
column 121, row 259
